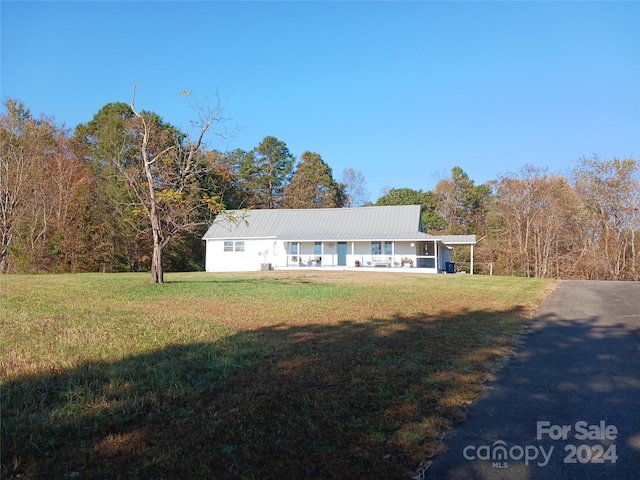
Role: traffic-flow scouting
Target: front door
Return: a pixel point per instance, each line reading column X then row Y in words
column 342, row 254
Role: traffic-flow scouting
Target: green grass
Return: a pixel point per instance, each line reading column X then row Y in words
column 236, row 376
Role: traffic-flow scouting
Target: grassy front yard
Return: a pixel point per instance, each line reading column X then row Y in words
column 268, row 375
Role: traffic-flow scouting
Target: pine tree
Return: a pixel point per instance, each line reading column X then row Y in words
column 313, row 186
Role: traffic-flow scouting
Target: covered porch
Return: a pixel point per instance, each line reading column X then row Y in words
column 428, row 255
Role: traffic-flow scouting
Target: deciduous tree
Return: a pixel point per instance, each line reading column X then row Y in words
column 43, row 185
column 462, row 204
column 355, row 188
column 610, row 191
column 535, row 218
column 231, row 166
column 431, row 219
column 166, row 178
column 115, row 232
column 23, row 141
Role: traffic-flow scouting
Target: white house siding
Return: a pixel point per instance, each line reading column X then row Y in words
column 330, row 254
column 444, row 256
column 256, row 252
column 405, row 249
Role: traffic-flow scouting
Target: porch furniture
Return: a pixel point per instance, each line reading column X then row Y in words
column 380, row 261
column 406, row 260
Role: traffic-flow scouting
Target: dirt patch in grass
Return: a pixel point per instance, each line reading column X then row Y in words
column 259, row 376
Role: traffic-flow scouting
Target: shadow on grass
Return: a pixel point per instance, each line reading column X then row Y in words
column 347, row 400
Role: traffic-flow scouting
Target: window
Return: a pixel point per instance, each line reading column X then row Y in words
column 388, row 248
column 317, row 248
column 231, row 246
column 294, row 248
column 376, row 248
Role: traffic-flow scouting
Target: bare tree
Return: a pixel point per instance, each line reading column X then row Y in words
column 24, row 141
column 167, row 182
column 355, row 187
column 610, row 191
column 534, row 220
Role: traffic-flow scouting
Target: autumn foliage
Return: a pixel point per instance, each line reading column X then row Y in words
column 80, row 201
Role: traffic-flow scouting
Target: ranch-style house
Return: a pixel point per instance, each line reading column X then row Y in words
column 333, row 238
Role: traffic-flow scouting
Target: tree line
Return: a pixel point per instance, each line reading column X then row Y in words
column 128, row 191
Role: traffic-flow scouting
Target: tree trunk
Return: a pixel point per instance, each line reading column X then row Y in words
column 634, row 268
column 4, row 249
column 157, row 272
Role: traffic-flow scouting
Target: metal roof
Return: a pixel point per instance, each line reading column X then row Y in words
column 458, row 239
column 323, row 224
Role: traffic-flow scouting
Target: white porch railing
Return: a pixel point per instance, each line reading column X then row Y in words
column 398, row 261
column 371, row 261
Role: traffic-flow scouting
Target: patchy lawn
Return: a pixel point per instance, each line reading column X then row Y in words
column 267, row 375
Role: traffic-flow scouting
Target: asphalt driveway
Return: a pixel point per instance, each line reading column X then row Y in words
column 567, row 406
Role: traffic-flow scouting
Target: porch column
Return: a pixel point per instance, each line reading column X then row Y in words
column 353, row 254
column 471, row 272
column 436, row 250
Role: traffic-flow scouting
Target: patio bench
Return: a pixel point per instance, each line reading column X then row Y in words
column 380, row 261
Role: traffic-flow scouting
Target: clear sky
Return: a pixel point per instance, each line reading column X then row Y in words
column 402, row 91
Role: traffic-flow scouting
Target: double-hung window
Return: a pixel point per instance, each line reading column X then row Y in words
column 233, row 246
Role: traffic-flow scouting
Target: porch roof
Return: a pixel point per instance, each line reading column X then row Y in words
column 458, row 239
column 325, row 224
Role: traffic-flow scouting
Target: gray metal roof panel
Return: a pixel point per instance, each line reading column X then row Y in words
column 324, row 224
column 458, row 239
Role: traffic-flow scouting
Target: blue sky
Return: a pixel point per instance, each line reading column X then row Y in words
column 402, row 91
